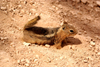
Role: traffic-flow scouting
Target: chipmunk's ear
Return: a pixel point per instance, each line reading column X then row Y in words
column 65, row 22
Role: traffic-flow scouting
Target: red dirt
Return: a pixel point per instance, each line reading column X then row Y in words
column 83, row 50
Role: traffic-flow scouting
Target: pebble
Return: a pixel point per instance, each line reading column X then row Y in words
column 19, row 6
column 13, row 19
column 20, row 15
column 98, row 3
column 3, row 38
column 22, row 60
column 18, row 61
column 49, row 60
column 92, row 43
column 84, row 1
column 26, row 44
column 6, row 12
column 85, row 61
column 47, row 45
column 3, row 8
column 27, row 65
column 28, row 61
column 85, row 32
column 25, row 2
column 61, row 57
column 98, row 53
column 22, row 11
column 70, row 47
column 31, row 2
column 35, row 60
column 33, row 65
column 30, row 13
column 1, row 31
column 37, row 56
column 97, row 37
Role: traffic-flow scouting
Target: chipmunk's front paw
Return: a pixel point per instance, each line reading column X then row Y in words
column 58, row 46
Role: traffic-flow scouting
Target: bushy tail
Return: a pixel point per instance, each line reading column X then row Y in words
column 32, row 22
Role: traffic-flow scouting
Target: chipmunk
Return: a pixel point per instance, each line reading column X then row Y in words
column 40, row 35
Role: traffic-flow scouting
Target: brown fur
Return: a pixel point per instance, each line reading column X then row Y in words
column 40, row 35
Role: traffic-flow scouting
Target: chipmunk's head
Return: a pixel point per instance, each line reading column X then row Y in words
column 68, row 29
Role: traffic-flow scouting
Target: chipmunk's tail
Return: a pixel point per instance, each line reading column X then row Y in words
column 32, row 22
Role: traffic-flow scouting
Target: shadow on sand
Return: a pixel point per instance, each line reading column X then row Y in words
column 71, row 41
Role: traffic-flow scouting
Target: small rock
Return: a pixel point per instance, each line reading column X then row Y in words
column 20, row 6
column 85, row 61
column 98, row 3
column 5, row 12
column 35, row 60
column 61, row 57
column 30, row 13
column 85, row 32
column 98, row 37
column 20, row 15
column 25, row 2
column 32, row 10
column 31, row 2
column 13, row 19
column 84, row 1
column 28, row 61
column 70, row 47
column 22, row 60
column 22, row 11
column 1, row 38
column 27, row 65
column 90, row 47
column 26, row 44
column 90, row 5
column 1, row 31
column 89, row 65
column 37, row 56
column 3, row 8
column 48, row 60
column 92, row 43
column 18, row 61
column 33, row 65
column 47, row 45
column 5, row 38
column 90, row 58
column 98, row 53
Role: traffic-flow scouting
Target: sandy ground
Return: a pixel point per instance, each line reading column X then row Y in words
column 83, row 50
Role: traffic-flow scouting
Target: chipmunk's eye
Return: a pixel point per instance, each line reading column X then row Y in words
column 63, row 28
column 71, row 31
